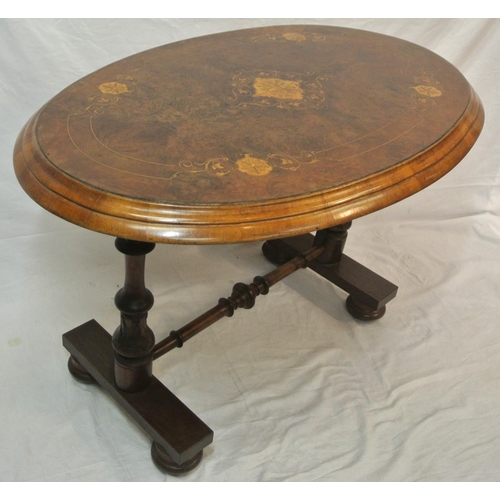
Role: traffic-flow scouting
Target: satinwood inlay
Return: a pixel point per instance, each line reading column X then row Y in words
column 248, row 135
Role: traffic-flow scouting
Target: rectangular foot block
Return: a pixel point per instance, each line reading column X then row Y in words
column 354, row 278
column 169, row 422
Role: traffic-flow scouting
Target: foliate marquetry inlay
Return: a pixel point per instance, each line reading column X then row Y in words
column 113, row 88
column 278, row 88
column 271, row 89
column 428, row 90
column 291, row 36
column 253, row 166
column 263, row 88
column 248, row 135
column 294, row 37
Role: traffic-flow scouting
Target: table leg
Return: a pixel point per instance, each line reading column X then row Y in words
column 133, row 340
column 368, row 292
column 122, row 365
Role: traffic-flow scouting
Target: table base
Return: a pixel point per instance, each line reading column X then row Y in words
column 178, row 435
column 122, row 364
column 368, row 292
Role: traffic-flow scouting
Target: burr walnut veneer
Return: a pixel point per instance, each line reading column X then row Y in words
column 261, row 134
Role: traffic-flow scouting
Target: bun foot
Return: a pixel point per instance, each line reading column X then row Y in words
column 361, row 311
column 79, row 372
column 163, row 461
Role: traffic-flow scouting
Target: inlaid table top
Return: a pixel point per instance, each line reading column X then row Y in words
column 248, row 135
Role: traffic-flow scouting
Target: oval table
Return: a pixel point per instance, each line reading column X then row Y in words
column 262, row 134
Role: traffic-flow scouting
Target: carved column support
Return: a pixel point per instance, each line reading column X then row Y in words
column 133, row 340
column 333, row 239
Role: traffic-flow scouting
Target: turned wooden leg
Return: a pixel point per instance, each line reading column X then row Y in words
column 122, row 366
column 334, row 240
column 274, row 253
column 133, row 340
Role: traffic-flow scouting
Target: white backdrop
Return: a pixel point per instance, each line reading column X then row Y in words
column 412, row 397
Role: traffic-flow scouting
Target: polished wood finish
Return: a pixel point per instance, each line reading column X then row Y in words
column 79, row 372
column 163, row 461
column 333, row 240
column 176, row 450
column 248, row 135
column 368, row 292
column 133, row 340
column 242, row 296
column 172, row 425
column 268, row 133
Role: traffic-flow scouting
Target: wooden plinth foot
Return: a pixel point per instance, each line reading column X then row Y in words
column 371, row 291
column 79, row 372
column 361, row 311
column 169, row 423
column 165, row 463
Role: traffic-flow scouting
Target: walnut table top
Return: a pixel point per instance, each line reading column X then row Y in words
column 248, row 135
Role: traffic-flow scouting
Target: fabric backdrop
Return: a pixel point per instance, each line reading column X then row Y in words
column 295, row 390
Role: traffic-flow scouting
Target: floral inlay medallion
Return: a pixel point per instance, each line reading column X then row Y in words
column 278, row 88
column 113, row 88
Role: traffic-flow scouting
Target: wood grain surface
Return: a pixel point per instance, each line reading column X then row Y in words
column 248, row 135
